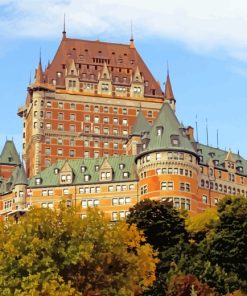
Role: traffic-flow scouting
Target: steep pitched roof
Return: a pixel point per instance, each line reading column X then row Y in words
column 141, row 125
column 19, row 176
column 168, row 88
column 9, row 154
column 90, row 54
column 171, row 130
column 49, row 178
column 219, row 156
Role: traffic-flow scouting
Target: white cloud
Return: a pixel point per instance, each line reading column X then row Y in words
column 201, row 25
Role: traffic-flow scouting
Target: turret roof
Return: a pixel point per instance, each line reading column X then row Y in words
column 9, row 154
column 171, row 131
column 141, row 125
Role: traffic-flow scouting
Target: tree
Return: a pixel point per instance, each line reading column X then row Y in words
column 188, row 285
column 226, row 246
column 55, row 252
column 164, row 229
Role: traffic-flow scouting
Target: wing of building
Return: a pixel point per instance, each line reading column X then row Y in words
column 99, row 132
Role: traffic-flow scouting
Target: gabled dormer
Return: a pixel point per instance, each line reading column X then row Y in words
column 66, row 174
column 230, row 161
column 71, row 76
column 105, row 171
column 105, row 84
column 137, row 84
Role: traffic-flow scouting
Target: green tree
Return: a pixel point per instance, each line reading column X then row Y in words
column 226, row 246
column 55, row 252
column 164, row 229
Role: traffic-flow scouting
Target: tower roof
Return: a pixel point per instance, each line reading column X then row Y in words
column 9, row 154
column 141, row 125
column 166, row 132
column 90, row 56
column 168, row 88
column 19, row 176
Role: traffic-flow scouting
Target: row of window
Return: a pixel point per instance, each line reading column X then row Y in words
column 168, row 186
column 106, row 120
column 170, row 156
column 179, row 202
column 106, row 130
column 174, row 171
column 222, row 188
column 119, row 215
column 89, row 108
column 7, row 204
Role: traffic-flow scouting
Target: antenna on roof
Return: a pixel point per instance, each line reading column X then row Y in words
column 132, row 45
column 167, row 67
column 30, row 78
column 64, row 31
column 197, row 140
column 217, row 138
column 207, row 130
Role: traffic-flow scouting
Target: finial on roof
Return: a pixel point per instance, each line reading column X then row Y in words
column 132, row 45
column 39, row 71
column 30, row 78
column 64, row 30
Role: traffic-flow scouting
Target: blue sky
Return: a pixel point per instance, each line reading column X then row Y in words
column 204, row 42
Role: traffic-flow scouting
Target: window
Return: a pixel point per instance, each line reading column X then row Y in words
column 96, row 130
column 60, row 141
column 60, row 151
column 72, row 116
column 60, row 105
column 150, row 114
column 38, row 181
column 60, row 116
column 125, row 175
column 48, row 104
column 106, row 131
column 86, row 154
column 87, row 178
column 125, row 132
column 96, row 154
column 144, row 189
column 159, row 130
column 72, row 128
column 96, row 119
column 66, row 191
column 96, row 108
column 72, row 142
column 124, row 111
column 110, row 188
column 72, row 106
column 106, row 120
column 158, row 171
column 87, row 118
column 115, row 120
column 205, row 199
column 72, row 153
column 47, row 151
column 60, row 127
column 125, row 122
column 115, row 110
column 106, row 109
column 115, row 145
column 158, row 156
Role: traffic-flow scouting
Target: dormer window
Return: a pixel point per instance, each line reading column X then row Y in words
column 83, row 169
column 56, row 171
column 159, row 130
column 87, row 178
column 240, row 169
column 121, row 166
column 126, row 175
column 105, row 176
column 105, row 86
column 38, row 181
column 201, row 158
column 212, row 154
column 96, row 168
column 216, row 162
column 10, row 158
column 175, row 140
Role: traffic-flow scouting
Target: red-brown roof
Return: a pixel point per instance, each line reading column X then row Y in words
column 90, row 56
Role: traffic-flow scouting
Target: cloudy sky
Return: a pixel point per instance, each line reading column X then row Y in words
column 204, row 42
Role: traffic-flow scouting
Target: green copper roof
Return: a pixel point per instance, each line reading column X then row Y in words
column 218, row 156
column 171, row 131
column 141, row 125
column 49, row 178
column 9, row 154
column 19, row 176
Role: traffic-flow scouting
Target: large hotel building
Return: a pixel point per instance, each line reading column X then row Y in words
column 99, row 131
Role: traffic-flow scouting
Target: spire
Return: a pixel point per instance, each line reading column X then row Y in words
column 141, row 125
column 39, row 71
column 168, row 87
column 132, row 44
column 64, row 31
